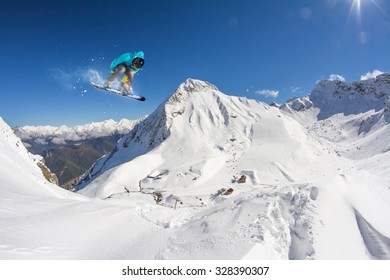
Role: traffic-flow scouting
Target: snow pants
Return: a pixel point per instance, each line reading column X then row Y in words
column 127, row 80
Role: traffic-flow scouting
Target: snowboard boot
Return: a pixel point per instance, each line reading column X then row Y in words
column 123, row 90
column 107, row 85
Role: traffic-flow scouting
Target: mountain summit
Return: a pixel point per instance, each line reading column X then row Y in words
column 334, row 97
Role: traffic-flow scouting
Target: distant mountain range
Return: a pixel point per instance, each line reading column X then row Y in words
column 70, row 151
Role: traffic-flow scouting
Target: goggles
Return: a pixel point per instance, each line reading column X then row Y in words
column 138, row 62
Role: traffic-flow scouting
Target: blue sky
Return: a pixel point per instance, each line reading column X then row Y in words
column 245, row 47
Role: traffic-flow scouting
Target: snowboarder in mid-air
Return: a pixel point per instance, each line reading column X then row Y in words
column 127, row 64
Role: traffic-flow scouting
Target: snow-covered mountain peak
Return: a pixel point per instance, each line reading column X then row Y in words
column 196, row 133
column 194, row 85
column 372, row 88
column 351, row 114
column 190, row 95
column 196, row 107
column 187, row 90
column 333, row 97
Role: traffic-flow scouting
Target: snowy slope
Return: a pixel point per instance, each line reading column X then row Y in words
column 352, row 121
column 18, row 165
column 39, row 220
column 161, row 193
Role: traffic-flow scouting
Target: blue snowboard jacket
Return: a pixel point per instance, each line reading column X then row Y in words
column 127, row 59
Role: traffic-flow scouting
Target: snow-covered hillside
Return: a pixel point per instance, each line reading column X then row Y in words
column 39, row 220
column 211, row 176
column 17, row 164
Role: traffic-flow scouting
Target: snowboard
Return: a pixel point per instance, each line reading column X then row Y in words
column 117, row 92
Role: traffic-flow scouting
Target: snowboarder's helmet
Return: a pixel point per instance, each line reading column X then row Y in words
column 138, row 62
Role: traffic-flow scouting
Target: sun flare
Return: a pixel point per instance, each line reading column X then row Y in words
column 358, row 5
column 357, row 11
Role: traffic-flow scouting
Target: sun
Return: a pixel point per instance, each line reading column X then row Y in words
column 356, row 8
column 356, row 11
column 356, row 2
